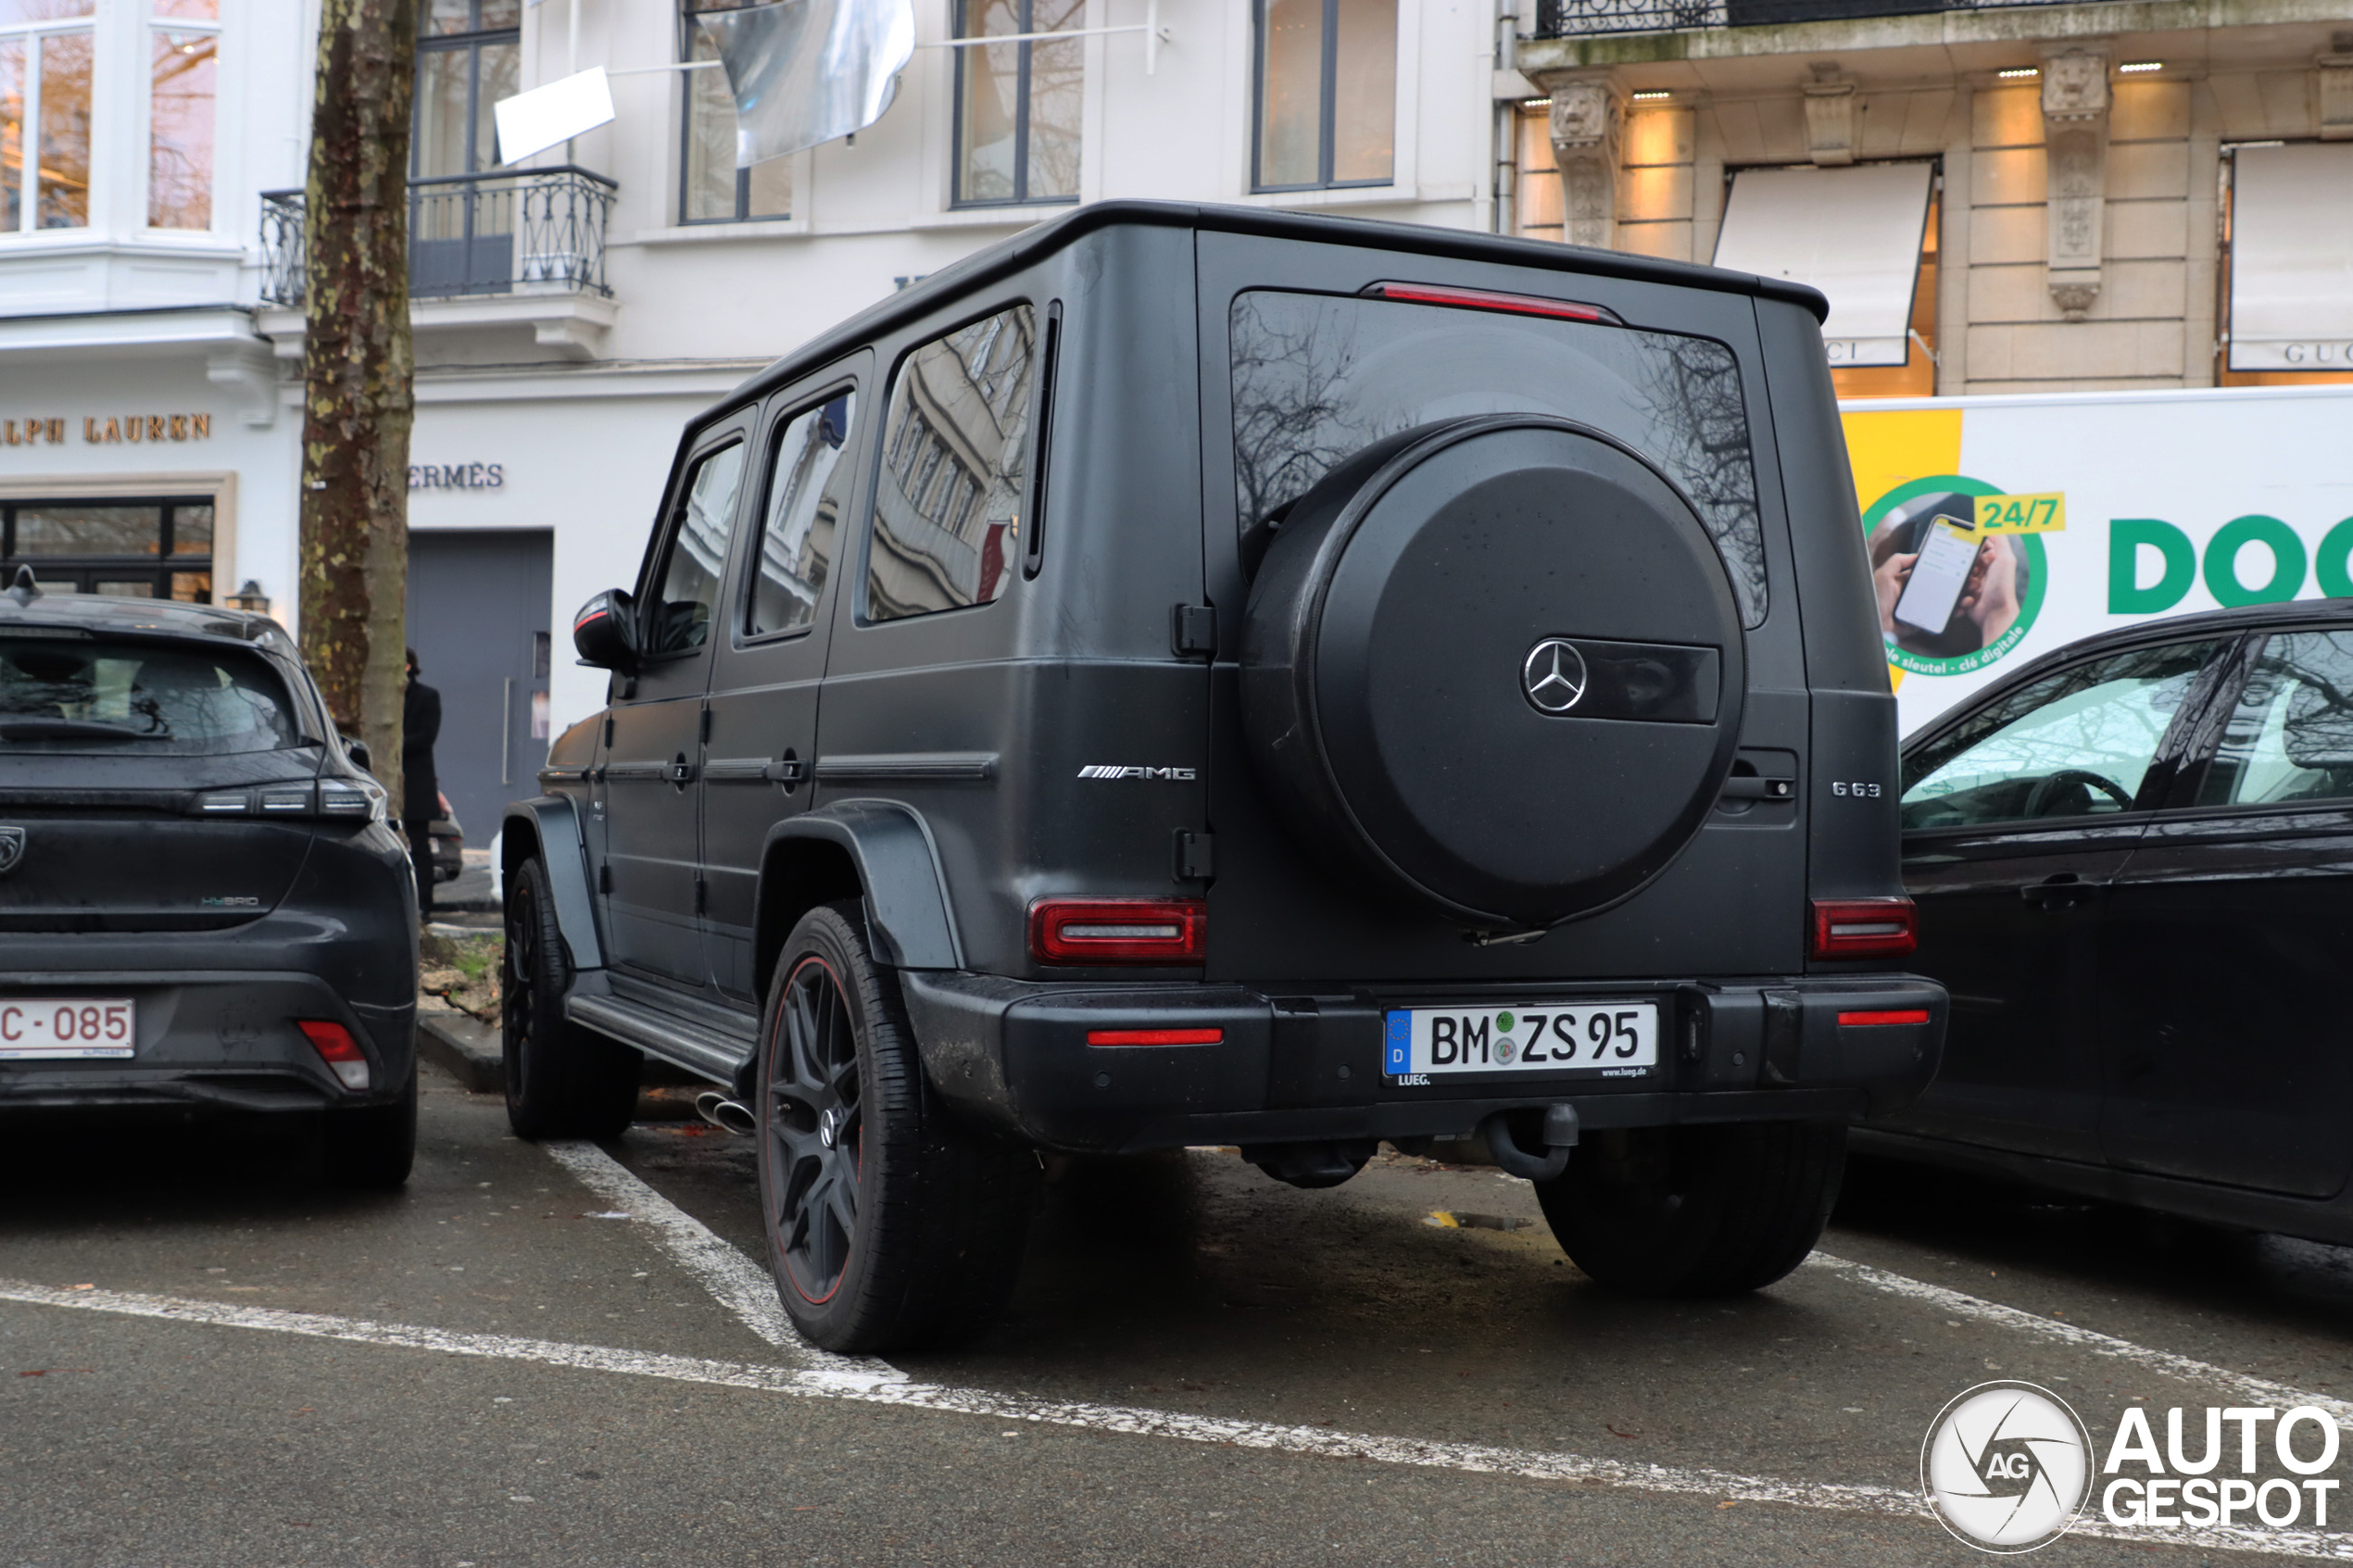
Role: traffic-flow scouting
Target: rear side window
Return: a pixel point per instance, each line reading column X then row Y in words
column 804, row 514
column 2290, row 736
column 680, row 620
column 954, row 470
column 1318, row 377
column 71, row 696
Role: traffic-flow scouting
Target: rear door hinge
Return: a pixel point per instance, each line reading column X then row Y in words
column 1192, row 628
column 1196, row 856
column 604, row 877
column 705, row 736
column 702, row 894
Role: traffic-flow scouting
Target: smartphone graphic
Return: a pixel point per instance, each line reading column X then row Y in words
column 1946, row 554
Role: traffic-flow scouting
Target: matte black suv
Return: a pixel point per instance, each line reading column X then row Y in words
column 205, row 908
column 1194, row 676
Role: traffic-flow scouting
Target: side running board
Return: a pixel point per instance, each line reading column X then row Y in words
column 706, row 1047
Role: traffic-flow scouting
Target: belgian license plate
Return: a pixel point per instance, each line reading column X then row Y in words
column 66, row 1028
column 1608, row 1040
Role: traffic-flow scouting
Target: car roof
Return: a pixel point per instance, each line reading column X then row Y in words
column 103, row 613
column 1030, row 246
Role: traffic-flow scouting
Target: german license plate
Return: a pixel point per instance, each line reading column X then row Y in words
column 66, row 1028
column 1607, row 1039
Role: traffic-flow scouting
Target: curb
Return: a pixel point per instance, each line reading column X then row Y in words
column 469, row 1050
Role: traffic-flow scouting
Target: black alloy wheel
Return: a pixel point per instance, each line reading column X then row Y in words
column 891, row 1224
column 562, row 1082
column 814, row 1133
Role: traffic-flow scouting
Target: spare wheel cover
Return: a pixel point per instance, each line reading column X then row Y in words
column 1495, row 665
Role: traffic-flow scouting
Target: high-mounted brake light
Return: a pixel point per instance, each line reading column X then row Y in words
column 1873, row 1016
column 337, row 1049
column 1865, row 928
column 1129, row 931
column 1488, row 299
column 1155, row 1036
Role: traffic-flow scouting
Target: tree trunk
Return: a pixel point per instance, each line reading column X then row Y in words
column 357, row 400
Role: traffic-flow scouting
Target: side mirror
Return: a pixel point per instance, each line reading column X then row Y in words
column 357, row 751
column 605, row 631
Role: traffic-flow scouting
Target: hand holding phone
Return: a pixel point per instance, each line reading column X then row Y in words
column 1947, row 554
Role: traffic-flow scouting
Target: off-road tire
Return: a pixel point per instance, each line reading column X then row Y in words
column 373, row 1145
column 562, row 1082
column 1706, row 1210
column 940, row 1209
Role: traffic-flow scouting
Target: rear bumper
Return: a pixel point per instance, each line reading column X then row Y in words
column 1306, row 1066
column 211, row 1040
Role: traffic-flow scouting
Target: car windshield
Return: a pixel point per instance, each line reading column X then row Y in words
column 67, row 694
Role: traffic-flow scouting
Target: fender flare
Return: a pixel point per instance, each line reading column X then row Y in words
column 907, row 909
column 553, row 823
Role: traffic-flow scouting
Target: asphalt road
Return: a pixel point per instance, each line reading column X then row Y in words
column 542, row 1356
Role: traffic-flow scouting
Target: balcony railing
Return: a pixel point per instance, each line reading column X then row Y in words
column 1580, row 19
column 523, row 230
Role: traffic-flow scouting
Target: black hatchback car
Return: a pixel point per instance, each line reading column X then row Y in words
column 205, row 908
column 1202, row 676
column 2133, row 861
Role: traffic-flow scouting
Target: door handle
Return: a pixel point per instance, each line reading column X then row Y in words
column 680, row 770
column 2061, row 892
column 787, row 771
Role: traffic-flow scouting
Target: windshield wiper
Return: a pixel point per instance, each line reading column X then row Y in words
column 72, row 729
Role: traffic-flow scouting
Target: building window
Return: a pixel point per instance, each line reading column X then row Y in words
column 712, row 189
column 45, row 107
column 1327, row 111
column 183, row 49
column 466, row 59
column 140, row 549
column 1018, row 105
column 955, row 470
column 2287, row 319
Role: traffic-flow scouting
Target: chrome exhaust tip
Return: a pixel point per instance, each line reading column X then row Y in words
column 721, row 1112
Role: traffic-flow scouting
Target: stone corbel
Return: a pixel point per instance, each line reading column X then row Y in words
column 2335, row 72
column 1829, row 117
column 1587, row 114
column 250, row 371
column 2075, row 105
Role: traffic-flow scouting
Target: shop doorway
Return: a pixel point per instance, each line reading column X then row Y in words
column 479, row 620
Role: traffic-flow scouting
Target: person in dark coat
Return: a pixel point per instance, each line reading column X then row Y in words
column 420, row 789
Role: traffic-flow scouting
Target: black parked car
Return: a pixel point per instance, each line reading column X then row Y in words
column 205, row 910
column 2135, row 867
column 1284, row 681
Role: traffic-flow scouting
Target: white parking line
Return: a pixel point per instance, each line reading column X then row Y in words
column 738, row 1284
column 1310, row 1441
column 2250, row 1389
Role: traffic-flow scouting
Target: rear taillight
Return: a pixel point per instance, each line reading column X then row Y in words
column 362, row 800
column 1488, row 299
column 1128, row 931
column 337, row 1049
column 1865, row 928
column 1879, row 1017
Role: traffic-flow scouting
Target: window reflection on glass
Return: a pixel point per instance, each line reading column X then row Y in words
column 12, row 84
column 712, row 189
column 63, row 196
column 192, row 587
column 955, row 460
column 179, row 130
column 89, row 531
column 2075, row 743
column 681, row 615
column 2290, row 736
column 191, row 531
column 469, row 56
column 1327, row 87
column 13, row 11
column 804, row 516
column 189, row 10
column 80, row 696
column 1317, row 378
column 1018, row 105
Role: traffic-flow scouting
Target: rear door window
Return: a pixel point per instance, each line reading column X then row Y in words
column 67, row 694
column 1318, row 377
column 804, row 516
column 955, row 466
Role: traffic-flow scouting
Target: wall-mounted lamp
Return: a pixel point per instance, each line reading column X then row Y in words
column 251, row 598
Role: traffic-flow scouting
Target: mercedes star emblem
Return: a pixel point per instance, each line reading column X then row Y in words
column 829, row 1126
column 11, row 849
column 1554, row 676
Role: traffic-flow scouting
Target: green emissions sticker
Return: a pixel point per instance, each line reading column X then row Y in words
column 1961, row 617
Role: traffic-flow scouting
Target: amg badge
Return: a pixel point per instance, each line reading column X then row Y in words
column 1113, row 771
